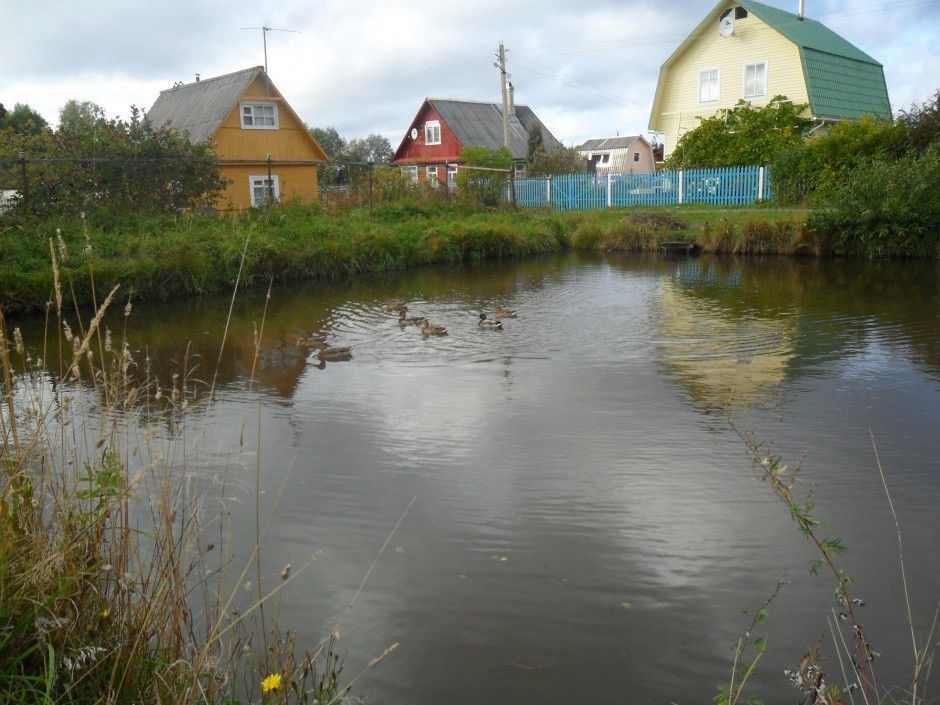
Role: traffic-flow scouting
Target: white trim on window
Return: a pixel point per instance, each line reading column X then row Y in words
column 710, row 93
column 411, row 171
column 430, row 175
column 258, row 115
column 259, row 189
column 432, row 132
column 452, row 175
column 759, row 82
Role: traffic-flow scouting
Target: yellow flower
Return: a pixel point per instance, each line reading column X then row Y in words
column 272, row 682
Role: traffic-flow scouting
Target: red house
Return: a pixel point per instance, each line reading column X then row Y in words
column 432, row 144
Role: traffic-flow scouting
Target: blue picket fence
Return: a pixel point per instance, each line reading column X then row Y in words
column 727, row 186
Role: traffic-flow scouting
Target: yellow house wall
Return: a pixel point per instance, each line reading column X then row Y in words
column 752, row 41
column 289, row 142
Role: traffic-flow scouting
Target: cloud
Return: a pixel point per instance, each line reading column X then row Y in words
column 587, row 69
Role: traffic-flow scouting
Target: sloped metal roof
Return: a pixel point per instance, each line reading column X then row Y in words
column 607, row 143
column 199, row 108
column 478, row 124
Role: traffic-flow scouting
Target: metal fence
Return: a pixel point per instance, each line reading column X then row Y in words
column 727, row 186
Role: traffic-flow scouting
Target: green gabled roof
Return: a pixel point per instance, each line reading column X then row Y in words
column 841, row 79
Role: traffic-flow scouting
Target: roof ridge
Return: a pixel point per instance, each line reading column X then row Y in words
column 477, row 102
column 213, row 78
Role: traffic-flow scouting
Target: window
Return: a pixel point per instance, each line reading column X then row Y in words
column 740, row 13
column 411, row 171
column 708, row 86
column 430, row 173
column 259, row 116
column 519, row 170
column 432, row 132
column 262, row 189
column 755, row 79
column 604, row 159
column 451, row 175
column 636, row 156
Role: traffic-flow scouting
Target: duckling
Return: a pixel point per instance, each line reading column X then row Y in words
column 334, row 354
column 428, row 329
column 308, row 342
column 396, row 305
column 501, row 312
column 489, row 324
column 404, row 320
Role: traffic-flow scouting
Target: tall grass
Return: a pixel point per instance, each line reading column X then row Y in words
column 118, row 580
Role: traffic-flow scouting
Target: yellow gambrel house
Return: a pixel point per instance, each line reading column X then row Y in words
column 747, row 50
column 264, row 148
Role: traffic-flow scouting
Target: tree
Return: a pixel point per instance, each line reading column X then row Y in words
column 923, row 123
column 22, row 119
column 564, row 160
column 329, row 139
column 483, row 187
column 742, row 135
column 535, row 144
column 374, row 148
column 81, row 116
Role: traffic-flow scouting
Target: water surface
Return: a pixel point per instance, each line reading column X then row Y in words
column 586, row 527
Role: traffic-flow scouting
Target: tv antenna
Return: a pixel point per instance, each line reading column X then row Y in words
column 264, row 38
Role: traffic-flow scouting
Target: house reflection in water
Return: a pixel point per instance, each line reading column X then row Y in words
column 722, row 354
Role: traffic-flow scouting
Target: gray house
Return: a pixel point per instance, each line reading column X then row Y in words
column 619, row 155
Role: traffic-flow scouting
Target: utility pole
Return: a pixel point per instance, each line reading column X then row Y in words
column 501, row 65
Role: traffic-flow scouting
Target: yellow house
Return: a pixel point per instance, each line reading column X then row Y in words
column 747, row 50
column 264, row 149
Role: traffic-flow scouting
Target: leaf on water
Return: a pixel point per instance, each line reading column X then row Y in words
column 502, row 559
column 762, row 615
column 626, row 605
column 399, row 549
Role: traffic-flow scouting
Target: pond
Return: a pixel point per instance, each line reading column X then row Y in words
column 586, row 526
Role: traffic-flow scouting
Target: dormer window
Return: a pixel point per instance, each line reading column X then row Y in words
column 432, row 132
column 258, row 116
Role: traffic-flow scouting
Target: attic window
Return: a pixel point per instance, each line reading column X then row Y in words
column 740, row 13
column 258, row 116
column 432, row 132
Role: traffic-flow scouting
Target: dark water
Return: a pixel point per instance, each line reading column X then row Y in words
column 586, row 526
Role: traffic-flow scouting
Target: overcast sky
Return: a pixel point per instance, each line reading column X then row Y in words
column 588, row 68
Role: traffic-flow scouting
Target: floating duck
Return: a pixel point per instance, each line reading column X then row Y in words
column 308, row 342
column 489, row 324
column 501, row 312
column 396, row 305
column 404, row 320
column 428, row 329
column 334, row 354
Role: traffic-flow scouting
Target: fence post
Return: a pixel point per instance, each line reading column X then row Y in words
column 512, row 185
column 22, row 156
column 370, row 183
column 270, row 184
column 609, row 200
column 548, row 189
column 681, row 186
column 760, row 184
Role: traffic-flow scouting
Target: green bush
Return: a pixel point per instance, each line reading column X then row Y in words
column 483, row 187
column 884, row 208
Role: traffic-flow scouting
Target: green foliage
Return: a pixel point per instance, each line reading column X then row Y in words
column 375, row 148
column 81, row 117
column 565, row 160
column 536, row 143
column 483, row 187
column 329, row 139
column 22, row 119
column 822, row 162
column 884, row 208
column 742, row 135
column 923, row 123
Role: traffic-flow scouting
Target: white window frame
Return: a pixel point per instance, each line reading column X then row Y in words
column 430, row 175
column 263, row 178
column 603, row 159
column 748, row 65
column 411, row 171
column 452, row 175
column 251, row 104
column 701, row 73
column 432, row 128
column 518, row 170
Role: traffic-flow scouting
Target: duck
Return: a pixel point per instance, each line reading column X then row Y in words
column 501, row 312
column 395, row 305
column 428, row 329
column 404, row 320
column 334, row 354
column 308, row 342
column 489, row 324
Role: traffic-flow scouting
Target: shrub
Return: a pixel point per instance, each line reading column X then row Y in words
column 483, row 187
column 884, row 208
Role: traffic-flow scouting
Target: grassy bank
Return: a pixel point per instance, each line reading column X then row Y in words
column 163, row 257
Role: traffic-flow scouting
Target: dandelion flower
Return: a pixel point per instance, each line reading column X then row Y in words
column 272, row 682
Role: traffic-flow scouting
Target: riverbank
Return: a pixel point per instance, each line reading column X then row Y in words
column 166, row 257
